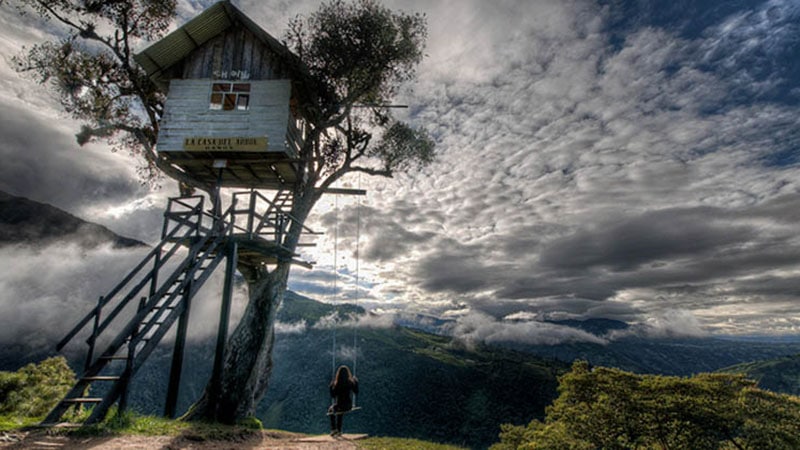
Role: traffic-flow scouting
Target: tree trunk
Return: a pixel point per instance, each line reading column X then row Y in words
column 248, row 353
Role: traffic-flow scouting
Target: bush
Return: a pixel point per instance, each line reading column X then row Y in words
column 613, row 409
column 35, row 389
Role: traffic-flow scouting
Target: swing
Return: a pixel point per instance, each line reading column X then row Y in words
column 354, row 407
column 341, row 413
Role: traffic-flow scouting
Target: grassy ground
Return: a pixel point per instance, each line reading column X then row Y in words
column 138, row 425
column 380, row 443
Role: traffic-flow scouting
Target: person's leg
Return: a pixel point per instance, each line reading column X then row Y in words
column 333, row 419
column 339, row 421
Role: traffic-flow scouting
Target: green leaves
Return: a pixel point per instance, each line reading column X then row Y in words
column 403, row 148
column 612, row 409
column 34, row 389
column 358, row 54
column 360, row 51
column 93, row 72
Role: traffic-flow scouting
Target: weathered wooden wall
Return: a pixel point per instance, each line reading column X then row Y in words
column 237, row 54
column 187, row 114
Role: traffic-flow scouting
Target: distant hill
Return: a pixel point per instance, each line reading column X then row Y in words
column 598, row 327
column 631, row 352
column 776, row 375
column 24, row 221
column 672, row 356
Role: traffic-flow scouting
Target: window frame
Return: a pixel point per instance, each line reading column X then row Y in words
column 228, row 96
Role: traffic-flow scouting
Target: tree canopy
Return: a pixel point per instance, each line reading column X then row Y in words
column 612, row 409
column 358, row 55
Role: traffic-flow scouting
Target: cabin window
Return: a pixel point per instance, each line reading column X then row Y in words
column 230, row 96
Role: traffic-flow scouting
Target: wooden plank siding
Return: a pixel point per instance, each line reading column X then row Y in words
column 236, row 51
column 235, row 55
column 187, row 114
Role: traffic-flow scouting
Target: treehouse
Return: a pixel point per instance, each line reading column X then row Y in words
column 231, row 114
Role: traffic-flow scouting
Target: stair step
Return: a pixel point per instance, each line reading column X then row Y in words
column 83, row 400
column 59, row 425
column 101, row 378
column 114, row 357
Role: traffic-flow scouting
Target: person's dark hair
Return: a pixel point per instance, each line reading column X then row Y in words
column 343, row 375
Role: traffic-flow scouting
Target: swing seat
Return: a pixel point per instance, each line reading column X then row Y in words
column 341, row 413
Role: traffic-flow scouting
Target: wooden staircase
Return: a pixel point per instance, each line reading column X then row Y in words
column 155, row 314
column 129, row 322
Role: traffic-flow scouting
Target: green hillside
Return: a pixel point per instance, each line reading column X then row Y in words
column 413, row 384
column 609, row 408
column 776, row 375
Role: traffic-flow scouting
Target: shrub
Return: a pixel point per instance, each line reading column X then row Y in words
column 35, row 389
column 613, row 409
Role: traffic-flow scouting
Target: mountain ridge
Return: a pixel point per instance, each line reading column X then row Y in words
column 29, row 222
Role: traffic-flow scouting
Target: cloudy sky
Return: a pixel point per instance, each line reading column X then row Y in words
column 632, row 160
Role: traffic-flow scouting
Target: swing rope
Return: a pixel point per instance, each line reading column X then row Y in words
column 335, row 279
column 358, row 286
column 336, row 287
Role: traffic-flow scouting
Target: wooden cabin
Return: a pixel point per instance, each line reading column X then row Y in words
column 232, row 93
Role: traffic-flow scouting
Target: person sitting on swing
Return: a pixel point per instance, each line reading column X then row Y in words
column 343, row 385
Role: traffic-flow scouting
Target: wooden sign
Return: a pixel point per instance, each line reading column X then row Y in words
column 223, row 144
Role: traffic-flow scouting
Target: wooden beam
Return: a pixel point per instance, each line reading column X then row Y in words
column 344, row 191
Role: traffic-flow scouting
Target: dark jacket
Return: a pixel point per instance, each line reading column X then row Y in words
column 342, row 394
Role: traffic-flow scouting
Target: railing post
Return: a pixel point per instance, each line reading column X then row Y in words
column 165, row 226
column 251, row 211
column 224, row 318
column 176, row 367
column 93, row 337
column 198, row 211
column 126, row 375
column 280, row 228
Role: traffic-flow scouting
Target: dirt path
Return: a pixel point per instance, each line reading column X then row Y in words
column 41, row 440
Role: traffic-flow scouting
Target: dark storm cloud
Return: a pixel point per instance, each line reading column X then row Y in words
column 655, row 236
column 42, row 161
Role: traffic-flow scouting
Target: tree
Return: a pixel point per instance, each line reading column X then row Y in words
column 613, row 409
column 356, row 55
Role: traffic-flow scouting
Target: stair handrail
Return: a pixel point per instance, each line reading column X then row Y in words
column 264, row 219
column 135, row 321
column 143, row 282
column 189, row 259
column 115, row 290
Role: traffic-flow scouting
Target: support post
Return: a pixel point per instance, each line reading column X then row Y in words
column 220, row 164
column 126, row 374
column 177, row 354
column 250, row 213
column 93, row 338
column 224, row 316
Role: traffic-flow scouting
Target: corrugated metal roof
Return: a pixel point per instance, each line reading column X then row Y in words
column 180, row 43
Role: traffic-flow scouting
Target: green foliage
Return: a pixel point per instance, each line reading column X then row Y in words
column 613, row 409
column 132, row 423
column 358, row 51
column 35, row 388
column 90, row 67
column 251, row 423
column 358, row 54
column 403, row 148
column 776, row 375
